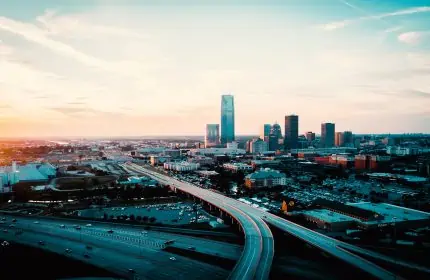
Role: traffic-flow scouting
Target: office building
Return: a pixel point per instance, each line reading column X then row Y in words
column 266, row 132
column 348, row 139
column 212, row 135
column 227, row 119
column 237, row 166
column 310, row 136
column 291, row 132
column 338, row 142
column 182, row 166
column 274, row 137
column 265, row 178
column 258, row 146
column 327, row 135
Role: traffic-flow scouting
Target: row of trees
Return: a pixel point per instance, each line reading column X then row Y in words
column 132, row 218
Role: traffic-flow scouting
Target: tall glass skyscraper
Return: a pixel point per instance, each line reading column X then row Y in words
column 227, row 119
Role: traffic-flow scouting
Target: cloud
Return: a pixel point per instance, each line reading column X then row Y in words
column 34, row 34
column 393, row 29
column 76, row 103
column 70, row 110
column 417, row 93
column 413, row 37
column 341, row 24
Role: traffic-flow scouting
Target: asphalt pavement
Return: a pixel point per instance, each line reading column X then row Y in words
column 119, row 251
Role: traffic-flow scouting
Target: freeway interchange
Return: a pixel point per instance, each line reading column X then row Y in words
column 257, row 256
column 127, row 251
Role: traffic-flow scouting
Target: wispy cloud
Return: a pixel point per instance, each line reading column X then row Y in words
column 413, row 37
column 36, row 35
column 341, row 24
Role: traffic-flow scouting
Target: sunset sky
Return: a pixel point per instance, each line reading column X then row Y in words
column 130, row 68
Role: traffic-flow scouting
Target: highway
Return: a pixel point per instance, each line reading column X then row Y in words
column 329, row 245
column 121, row 250
column 257, row 256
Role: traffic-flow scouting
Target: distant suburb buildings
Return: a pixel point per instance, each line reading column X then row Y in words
column 227, row 119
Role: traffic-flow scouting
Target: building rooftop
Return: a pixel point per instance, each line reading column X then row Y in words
column 35, row 172
column 265, row 174
column 391, row 213
column 328, row 216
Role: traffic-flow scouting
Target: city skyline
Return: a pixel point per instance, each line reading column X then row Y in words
column 94, row 68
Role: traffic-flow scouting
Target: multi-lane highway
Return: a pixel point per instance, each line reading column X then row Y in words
column 121, row 249
column 257, row 256
column 326, row 244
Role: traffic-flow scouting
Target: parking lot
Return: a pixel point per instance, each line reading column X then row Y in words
column 170, row 214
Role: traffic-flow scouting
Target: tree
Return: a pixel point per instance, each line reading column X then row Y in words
column 132, row 217
column 111, row 217
column 105, row 216
column 152, row 220
column 145, row 219
column 139, row 218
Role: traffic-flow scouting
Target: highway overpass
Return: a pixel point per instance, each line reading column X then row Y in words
column 123, row 249
column 257, row 235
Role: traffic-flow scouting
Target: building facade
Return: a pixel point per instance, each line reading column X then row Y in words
column 291, row 138
column 227, row 119
column 235, row 167
column 274, row 137
column 310, row 136
column 182, row 166
column 212, row 135
column 266, row 132
column 265, row 178
column 327, row 135
column 258, row 146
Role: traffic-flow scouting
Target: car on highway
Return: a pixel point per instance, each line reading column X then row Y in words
column 68, row 251
column 144, row 232
column 62, row 226
column 86, row 256
column 5, row 243
column 77, row 227
column 131, row 270
column 2, row 222
column 14, row 220
column 89, row 225
column 89, row 247
column 5, row 231
column 3, row 219
column 41, row 242
column 192, row 248
column 36, row 222
column 172, row 258
column 11, row 226
column 168, row 242
column 110, row 231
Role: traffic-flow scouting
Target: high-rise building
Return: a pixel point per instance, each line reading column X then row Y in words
column 310, row 136
column 274, row 137
column 344, row 139
column 227, row 119
column 348, row 139
column 291, row 132
column 212, row 135
column 338, row 141
column 266, row 132
column 327, row 135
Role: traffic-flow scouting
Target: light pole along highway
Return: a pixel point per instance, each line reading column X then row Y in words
column 333, row 247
